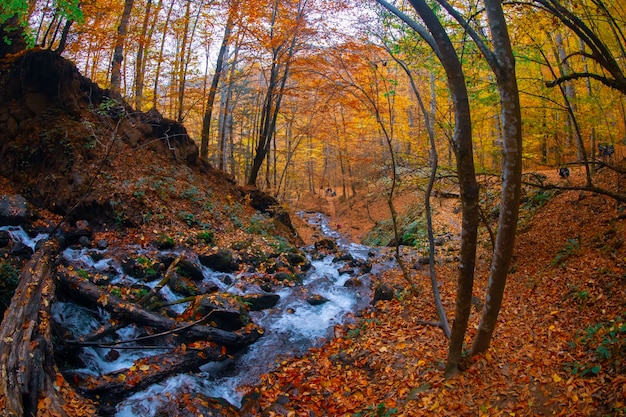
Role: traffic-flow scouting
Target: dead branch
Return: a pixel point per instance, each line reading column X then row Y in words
column 168, row 275
column 85, row 291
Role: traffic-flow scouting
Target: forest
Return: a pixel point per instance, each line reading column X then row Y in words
column 313, row 207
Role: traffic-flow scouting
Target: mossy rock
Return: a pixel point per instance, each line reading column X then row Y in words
column 222, row 310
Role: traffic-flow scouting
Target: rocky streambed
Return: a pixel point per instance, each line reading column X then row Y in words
column 137, row 327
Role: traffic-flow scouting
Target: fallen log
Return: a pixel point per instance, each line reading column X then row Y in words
column 83, row 290
column 31, row 384
column 115, row 386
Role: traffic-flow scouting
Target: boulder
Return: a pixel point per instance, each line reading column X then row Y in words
column 222, row 310
column 141, row 267
column 5, row 238
column 220, row 260
column 186, row 404
column 326, row 244
column 260, row 301
column 316, row 299
column 353, row 282
column 13, row 210
column 346, row 269
column 183, row 286
column 20, row 250
column 383, row 291
column 190, row 269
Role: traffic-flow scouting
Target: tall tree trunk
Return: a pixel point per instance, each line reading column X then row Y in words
column 570, row 93
column 185, row 58
column 226, row 106
column 463, row 149
column 279, row 72
column 219, row 68
column 181, row 66
column 118, row 53
column 434, row 160
column 140, row 61
column 572, row 119
column 512, row 171
column 160, row 57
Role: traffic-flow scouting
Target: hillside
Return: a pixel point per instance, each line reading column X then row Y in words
column 79, row 152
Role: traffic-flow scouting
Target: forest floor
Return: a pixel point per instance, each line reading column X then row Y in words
column 559, row 347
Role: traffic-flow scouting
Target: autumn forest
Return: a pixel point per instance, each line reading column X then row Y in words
column 475, row 148
column 312, row 84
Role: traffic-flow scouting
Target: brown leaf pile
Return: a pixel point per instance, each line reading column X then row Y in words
column 559, row 348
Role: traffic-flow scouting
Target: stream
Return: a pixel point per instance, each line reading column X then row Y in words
column 290, row 328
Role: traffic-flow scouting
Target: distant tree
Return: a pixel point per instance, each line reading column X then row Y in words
column 219, row 69
column 596, row 41
column 118, row 52
column 286, row 28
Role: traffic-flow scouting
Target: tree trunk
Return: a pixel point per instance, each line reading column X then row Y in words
column 85, row 291
column 274, row 96
column 226, row 117
column 29, row 373
column 115, row 386
column 467, row 182
column 118, row 53
column 160, row 57
column 185, row 58
column 512, row 171
column 64, row 34
column 441, row 312
column 219, row 68
column 140, row 62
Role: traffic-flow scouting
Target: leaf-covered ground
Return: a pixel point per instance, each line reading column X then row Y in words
column 559, row 348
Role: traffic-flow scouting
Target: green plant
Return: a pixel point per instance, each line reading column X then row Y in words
column 188, row 218
column 571, row 248
column 82, row 273
column 235, row 211
column 139, row 195
column 207, row 236
column 578, row 294
column 581, row 369
column 380, row 410
column 164, row 241
column 414, row 234
column 606, row 344
column 190, row 193
column 111, row 107
column 147, row 265
column 260, row 225
column 538, row 199
column 139, row 293
column 281, row 244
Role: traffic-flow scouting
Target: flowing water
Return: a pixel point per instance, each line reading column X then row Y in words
column 290, row 328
